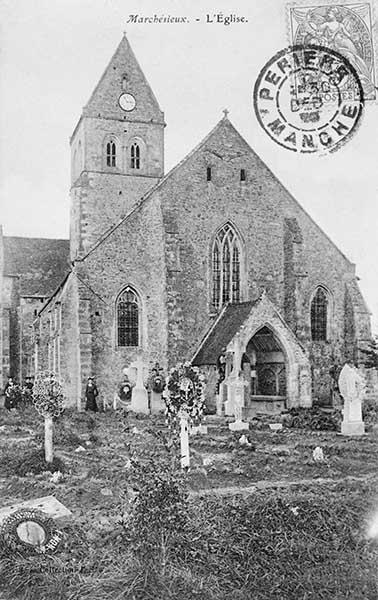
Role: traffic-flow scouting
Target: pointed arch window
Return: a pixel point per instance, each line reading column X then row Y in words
column 111, row 154
column 319, row 315
column 128, row 316
column 135, row 156
column 226, row 267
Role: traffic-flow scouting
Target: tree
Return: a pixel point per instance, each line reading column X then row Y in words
column 370, row 352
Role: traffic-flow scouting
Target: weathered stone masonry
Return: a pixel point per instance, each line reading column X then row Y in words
column 136, row 227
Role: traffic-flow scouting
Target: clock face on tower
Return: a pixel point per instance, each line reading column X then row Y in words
column 127, row 102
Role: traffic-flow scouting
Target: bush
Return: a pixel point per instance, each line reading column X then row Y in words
column 159, row 512
column 31, row 462
column 313, row 418
column 370, row 412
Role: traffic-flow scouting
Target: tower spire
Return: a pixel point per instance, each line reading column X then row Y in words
column 124, row 71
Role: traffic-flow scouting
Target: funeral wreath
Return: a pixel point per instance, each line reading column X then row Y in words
column 185, row 392
column 10, row 532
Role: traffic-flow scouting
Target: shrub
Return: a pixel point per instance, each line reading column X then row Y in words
column 313, row 418
column 370, row 412
column 32, row 462
column 159, row 512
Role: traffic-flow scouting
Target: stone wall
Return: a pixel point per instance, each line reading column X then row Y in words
column 194, row 209
column 132, row 255
column 98, row 202
column 29, row 308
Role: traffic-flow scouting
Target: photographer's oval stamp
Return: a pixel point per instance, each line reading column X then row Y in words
column 309, row 99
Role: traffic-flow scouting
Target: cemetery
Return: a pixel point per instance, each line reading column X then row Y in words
column 248, row 472
column 135, row 503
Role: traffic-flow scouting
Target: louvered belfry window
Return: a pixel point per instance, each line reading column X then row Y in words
column 128, row 319
column 226, row 267
column 319, row 310
column 111, row 154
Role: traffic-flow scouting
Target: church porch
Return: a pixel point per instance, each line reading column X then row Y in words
column 259, row 360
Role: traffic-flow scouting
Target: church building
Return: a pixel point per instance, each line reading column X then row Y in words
column 215, row 258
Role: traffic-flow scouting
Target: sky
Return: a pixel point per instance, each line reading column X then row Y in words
column 53, row 53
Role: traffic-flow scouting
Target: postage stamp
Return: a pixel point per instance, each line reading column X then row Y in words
column 346, row 28
column 309, row 99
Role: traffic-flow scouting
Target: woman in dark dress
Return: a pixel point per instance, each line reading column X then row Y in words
column 91, row 393
column 9, row 389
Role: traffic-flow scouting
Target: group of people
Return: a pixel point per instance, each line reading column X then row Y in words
column 156, row 383
column 16, row 394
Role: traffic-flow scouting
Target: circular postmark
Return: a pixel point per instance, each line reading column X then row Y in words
column 309, row 99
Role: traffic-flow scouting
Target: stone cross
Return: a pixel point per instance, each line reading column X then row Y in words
column 352, row 389
column 139, row 396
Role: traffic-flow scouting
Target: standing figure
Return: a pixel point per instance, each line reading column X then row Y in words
column 27, row 390
column 91, row 393
column 10, row 396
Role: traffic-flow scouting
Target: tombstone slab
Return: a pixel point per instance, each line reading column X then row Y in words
column 139, row 396
column 48, row 504
column 157, row 402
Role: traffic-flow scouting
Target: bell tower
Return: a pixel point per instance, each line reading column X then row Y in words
column 117, row 150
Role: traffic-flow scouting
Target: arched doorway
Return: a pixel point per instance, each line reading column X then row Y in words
column 264, row 366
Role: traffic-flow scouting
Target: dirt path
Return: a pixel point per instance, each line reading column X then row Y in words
column 264, row 484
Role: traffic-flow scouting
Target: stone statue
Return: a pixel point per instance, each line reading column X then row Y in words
column 352, row 389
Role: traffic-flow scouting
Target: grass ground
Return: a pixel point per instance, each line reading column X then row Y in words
column 263, row 522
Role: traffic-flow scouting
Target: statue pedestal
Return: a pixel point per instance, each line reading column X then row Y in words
column 352, row 388
column 353, row 428
column 237, row 389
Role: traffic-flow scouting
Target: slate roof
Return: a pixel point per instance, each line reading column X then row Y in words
column 222, row 332
column 41, row 263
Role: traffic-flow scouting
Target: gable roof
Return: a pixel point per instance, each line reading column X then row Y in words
column 224, row 122
column 221, row 332
column 40, row 263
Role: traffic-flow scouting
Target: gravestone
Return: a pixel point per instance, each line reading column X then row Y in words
column 139, row 396
column 48, row 504
column 352, row 389
column 238, row 395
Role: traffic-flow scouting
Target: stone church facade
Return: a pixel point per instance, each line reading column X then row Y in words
column 214, row 258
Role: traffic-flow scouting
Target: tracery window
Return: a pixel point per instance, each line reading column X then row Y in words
column 226, row 267
column 319, row 315
column 111, row 154
column 135, row 156
column 128, row 318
